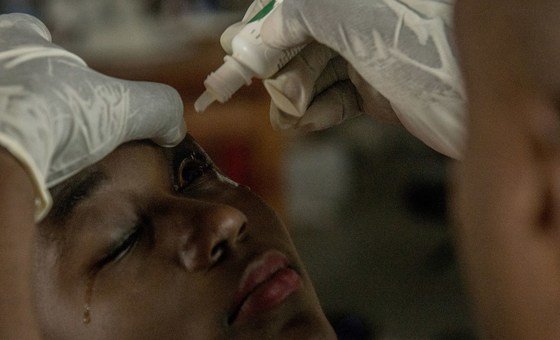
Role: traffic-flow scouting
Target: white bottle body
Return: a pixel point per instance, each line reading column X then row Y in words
column 249, row 49
column 250, row 58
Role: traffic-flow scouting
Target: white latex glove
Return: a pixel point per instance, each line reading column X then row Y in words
column 376, row 56
column 57, row 116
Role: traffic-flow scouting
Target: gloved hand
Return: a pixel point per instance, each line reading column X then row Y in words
column 57, row 116
column 388, row 58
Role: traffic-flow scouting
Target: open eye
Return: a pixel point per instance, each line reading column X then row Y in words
column 191, row 169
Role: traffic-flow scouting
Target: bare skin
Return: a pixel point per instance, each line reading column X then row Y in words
column 507, row 189
column 16, row 237
column 154, row 243
column 149, row 258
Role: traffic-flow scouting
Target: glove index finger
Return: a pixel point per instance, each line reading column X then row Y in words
column 156, row 113
column 285, row 27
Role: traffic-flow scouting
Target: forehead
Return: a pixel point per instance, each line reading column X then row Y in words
column 132, row 156
column 138, row 165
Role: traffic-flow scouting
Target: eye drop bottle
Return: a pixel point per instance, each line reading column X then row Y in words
column 250, row 58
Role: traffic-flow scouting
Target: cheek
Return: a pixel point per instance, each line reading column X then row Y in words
column 156, row 300
column 56, row 304
column 265, row 227
column 265, row 216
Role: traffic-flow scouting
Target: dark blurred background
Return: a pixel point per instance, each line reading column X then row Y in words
column 366, row 202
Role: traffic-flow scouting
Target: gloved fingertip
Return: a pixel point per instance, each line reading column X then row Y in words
column 330, row 108
column 173, row 137
column 43, row 204
column 155, row 113
column 280, row 120
column 281, row 101
column 176, row 126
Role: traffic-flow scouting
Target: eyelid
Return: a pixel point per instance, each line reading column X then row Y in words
column 123, row 246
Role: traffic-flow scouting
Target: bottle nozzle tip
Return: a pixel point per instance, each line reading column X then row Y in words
column 203, row 101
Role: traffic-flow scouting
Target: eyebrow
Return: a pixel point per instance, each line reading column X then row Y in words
column 75, row 191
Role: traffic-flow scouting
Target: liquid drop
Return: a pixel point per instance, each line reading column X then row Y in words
column 86, row 317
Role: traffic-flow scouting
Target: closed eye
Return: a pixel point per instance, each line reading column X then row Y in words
column 123, row 247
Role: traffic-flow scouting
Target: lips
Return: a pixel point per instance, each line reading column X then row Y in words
column 266, row 283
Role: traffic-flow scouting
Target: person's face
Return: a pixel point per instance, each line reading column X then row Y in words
column 154, row 243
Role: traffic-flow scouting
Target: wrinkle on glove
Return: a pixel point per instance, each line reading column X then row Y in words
column 57, row 116
column 400, row 47
column 312, row 92
column 398, row 57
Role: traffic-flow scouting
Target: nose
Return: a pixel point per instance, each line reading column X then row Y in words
column 216, row 231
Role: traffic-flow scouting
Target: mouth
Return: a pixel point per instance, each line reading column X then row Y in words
column 266, row 283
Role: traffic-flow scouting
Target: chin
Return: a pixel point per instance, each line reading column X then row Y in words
column 288, row 324
column 312, row 329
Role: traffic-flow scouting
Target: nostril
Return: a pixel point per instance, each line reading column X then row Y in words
column 218, row 251
column 242, row 230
